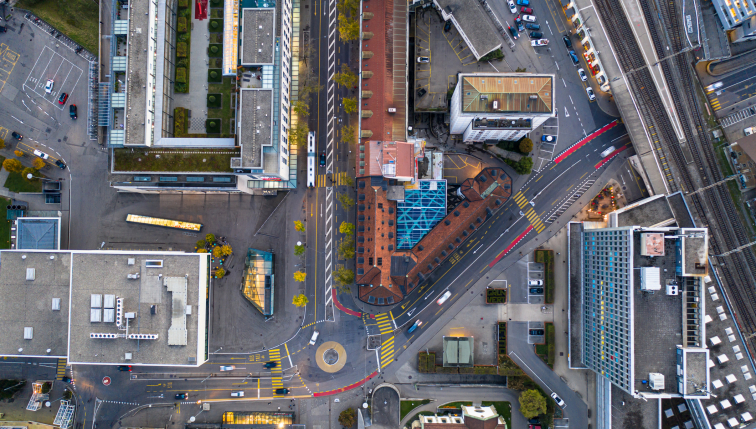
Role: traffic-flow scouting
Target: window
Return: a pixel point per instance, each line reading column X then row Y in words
column 370, row 261
column 380, row 261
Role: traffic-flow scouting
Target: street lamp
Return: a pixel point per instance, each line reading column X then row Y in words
column 31, row 176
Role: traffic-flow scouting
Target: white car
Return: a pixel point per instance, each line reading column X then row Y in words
column 512, row 7
column 423, row 59
column 49, row 86
column 539, row 42
column 558, row 400
column 582, row 75
column 444, row 297
column 748, row 131
column 529, row 18
column 591, row 95
column 713, row 86
column 607, row 151
column 314, row 337
column 41, row 154
column 237, row 393
column 535, row 282
column 227, row 367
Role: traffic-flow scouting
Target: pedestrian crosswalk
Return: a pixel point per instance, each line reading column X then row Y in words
column 535, row 220
column 61, row 370
column 387, row 352
column 337, row 179
column 520, row 200
column 276, row 373
column 385, row 324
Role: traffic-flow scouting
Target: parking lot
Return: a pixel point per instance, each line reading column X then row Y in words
column 534, row 283
column 52, row 66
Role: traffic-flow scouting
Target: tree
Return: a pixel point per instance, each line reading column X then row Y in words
column 18, row 153
column 298, row 134
column 299, row 225
column 348, row 6
column 300, row 276
column 201, row 244
column 348, row 134
column 217, row 252
column 226, row 250
column 301, row 108
column 299, row 250
column 38, row 163
column 346, row 248
column 523, row 166
column 349, row 29
column 350, row 105
column 202, row 250
column 532, row 403
column 346, row 201
column 344, row 276
column 300, row 300
column 347, row 180
column 346, row 77
column 210, row 238
column 27, row 171
column 2, row 144
column 348, row 417
column 13, row 165
column 346, row 228
column 219, row 273
column 526, row 145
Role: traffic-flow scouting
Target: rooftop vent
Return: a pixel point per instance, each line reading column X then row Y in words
column 155, row 263
column 56, row 304
column 30, row 273
column 28, row 333
column 132, row 261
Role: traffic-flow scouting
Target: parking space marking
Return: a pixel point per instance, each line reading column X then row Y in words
column 8, row 60
column 39, row 75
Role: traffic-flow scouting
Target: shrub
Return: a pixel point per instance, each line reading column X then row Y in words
column 183, row 37
column 214, row 100
column 214, row 75
column 426, row 362
column 182, row 63
column 216, row 25
column 181, row 24
column 38, row 163
column 182, row 49
column 215, row 49
column 443, row 370
column 181, row 75
column 180, row 87
column 526, row 145
column 187, row 13
column 180, row 122
column 495, row 55
column 524, row 166
column 212, row 126
column 484, row 369
column 183, row 3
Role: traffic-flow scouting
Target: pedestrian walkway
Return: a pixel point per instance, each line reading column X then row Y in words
column 61, row 370
column 276, row 373
column 196, row 99
column 387, row 352
column 385, row 323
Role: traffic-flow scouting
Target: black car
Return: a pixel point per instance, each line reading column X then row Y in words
column 536, row 290
column 271, row 364
column 60, row 164
column 531, row 26
column 181, row 396
column 574, row 57
column 72, row 111
column 536, row 332
column 124, row 368
column 520, row 26
column 322, row 159
column 17, row 136
column 282, row 391
column 567, row 42
column 513, row 31
column 66, row 379
column 447, row 26
column 421, row 92
column 536, row 35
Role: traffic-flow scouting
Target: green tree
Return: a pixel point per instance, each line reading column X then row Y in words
column 346, row 77
column 348, row 417
column 13, row 165
column 350, row 7
column 350, row 105
column 346, row 248
column 346, row 201
column 299, row 250
column 347, row 180
column 298, row 134
column 346, row 228
column 300, row 300
column 524, row 166
column 526, row 145
column 299, row 226
column 349, row 29
column 344, row 276
column 300, row 276
column 349, row 134
column 217, row 251
column 226, row 250
column 27, row 171
column 219, row 273
column 532, row 403
column 201, row 244
column 210, row 238
column 301, row 108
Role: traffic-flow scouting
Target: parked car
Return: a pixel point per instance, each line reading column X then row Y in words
column 41, row 154
column 423, row 59
column 182, row 395
column 535, row 282
column 227, row 367
column 713, row 86
column 447, row 26
column 539, row 42
column 558, row 400
column 531, row 26
column 536, row 332
column 283, row 391
column 63, row 97
column 536, row 35
column 421, row 92
column 574, row 57
column 526, row 10
column 591, row 95
column 513, row 31
column 523, row 2
column 444, row 297
column 72, row 111
column 237, row 393
column 548, row 138
column 124, row 368
column 567, row 42
column 512, row 7
column 748, row 131
column 66, row 379
column 322, row 159
column 17, row 136
column 529, row 18
column 414, row 326
column 271, row 364
column 60, row 164
column 314, row 337
column 49, row 86
column 536, row 290
column 607, row 151
column 582, row 74
column 520, row 26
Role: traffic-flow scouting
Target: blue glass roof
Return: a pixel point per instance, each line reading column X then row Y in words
column 421, row 210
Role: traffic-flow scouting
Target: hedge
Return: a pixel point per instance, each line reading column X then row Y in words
column 215, row 101
column 426, row 362
column 443, row 370
column 180, row 122
column 181, row 24
column 182, row 50
column 484, row 369
column 217, row 78
column 215, row 25
column 181, row 75
column 215, row 50
column 213, row 126
column 183, row 3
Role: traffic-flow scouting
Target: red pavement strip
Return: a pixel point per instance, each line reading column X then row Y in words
column 200, row 10
column 345, row 388
column 611, row 155
column 341, row 307
column 582, row 143
column 516, row 240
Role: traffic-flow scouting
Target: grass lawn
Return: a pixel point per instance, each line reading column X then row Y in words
column 546, row 257
column 5, row 225
column 17, row 183
column 502, row 407
column 547, row 351
column 407, row 406
column 226, row 111
column 77, row 19
column 126, row 160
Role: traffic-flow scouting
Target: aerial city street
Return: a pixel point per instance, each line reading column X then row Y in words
column 326, row 214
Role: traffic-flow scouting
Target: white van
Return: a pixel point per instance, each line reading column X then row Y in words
column 237, row 393
column 607, row 151
column 314, row 337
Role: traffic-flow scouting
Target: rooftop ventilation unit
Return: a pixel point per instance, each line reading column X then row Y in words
column 143, row 336
column 95, row 315
column 672, row 290
column 95, row 300
column 30, row 273
column 132, row 276
column 108, row 315
column 119, row 311
column 103, row 336
column 109, row 301
column 28, row 333
column 132, row 261
column 56, row 304
column 656, row 381
column 153, row 263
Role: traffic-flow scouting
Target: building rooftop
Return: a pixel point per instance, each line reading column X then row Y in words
column 35, row 233
column 258, row 36
column 421, row 210
column 507, row 93
column 458, row 352
column 695, row 251
column 473, row 24
column 650, row 212
column 392, row 160
column 136, row 72
column 256, row 108
column 125, row 308
column 628, row 412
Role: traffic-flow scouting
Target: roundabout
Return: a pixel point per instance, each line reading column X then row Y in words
column 331, row 357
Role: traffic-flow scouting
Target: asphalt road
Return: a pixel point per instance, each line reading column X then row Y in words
column 736, row 87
